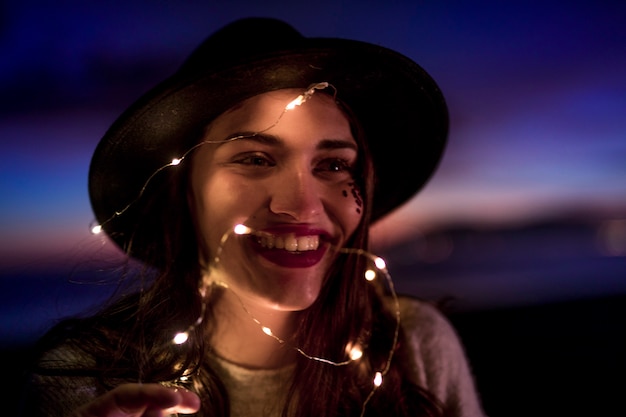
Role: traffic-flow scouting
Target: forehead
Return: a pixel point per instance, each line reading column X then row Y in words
column 268, row 111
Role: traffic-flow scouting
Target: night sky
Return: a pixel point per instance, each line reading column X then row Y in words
column 536, row 91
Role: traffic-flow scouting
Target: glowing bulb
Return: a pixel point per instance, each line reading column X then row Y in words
column 378, row 379
column 181, row 338
column 356, row 353
column 370, row 275
column 307, row 94
column 380, row 263
column 240, row 229
column 266, row 330
column 175, row 161
column 96, row 229
column 296, row 102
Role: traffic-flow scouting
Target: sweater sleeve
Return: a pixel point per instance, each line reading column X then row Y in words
column 437, row 358
column 57, row 387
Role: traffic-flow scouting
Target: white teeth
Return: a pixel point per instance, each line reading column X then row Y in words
column 290, row 242
column 308, row 243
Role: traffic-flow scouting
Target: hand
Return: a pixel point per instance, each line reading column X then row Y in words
column 141, row 400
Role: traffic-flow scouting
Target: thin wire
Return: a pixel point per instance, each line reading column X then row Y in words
column 306, row 95
column 266, row 330
column 203, row 290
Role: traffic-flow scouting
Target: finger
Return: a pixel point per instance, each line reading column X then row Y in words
column 132, row 400
column 189, row 402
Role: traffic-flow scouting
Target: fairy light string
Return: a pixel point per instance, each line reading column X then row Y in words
column 354, row 351
column 299, row 100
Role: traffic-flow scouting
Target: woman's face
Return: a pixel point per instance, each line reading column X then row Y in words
column 291, row 182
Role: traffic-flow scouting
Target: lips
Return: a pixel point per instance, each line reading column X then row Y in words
column 294, row 249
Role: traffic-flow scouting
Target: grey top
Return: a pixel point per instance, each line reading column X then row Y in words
column 437, row 362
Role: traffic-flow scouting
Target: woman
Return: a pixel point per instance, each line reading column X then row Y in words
column 245, row 184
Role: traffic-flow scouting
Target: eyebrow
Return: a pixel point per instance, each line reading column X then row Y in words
column 273, row 140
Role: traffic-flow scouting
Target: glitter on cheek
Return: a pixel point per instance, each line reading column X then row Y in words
column 356, row 193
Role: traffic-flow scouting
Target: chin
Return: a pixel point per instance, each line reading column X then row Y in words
column 292, row 302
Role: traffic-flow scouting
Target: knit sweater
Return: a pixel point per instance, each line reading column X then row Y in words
column 436, row 361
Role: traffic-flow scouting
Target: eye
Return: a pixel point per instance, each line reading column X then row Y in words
column 334, row 165
column 254, row 160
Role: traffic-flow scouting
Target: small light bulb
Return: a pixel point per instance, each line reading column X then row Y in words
column 380, row 263
column 96, row 229
column 181, row 338
column 175, row 161
column 370, row 275
column 240, row 229
column 266, row 330
column 296, row 102
column 356, row 353
column 378, row 379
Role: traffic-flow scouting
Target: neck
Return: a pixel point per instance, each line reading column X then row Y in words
column 239, row 339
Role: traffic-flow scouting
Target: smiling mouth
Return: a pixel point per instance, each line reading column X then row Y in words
column 289, row 242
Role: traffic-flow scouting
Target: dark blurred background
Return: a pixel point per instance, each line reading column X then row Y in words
column 521, row 235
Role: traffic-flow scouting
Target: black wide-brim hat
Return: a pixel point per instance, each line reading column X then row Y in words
column 400, row 108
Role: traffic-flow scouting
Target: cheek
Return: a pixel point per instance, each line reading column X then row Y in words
column 214, row 210
column 351, row 205
column 222, row 203
column 353, row 195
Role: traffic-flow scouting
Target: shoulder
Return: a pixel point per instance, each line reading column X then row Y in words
column 65, row 355
column 59, row 381
column 425, row 315
column 436, row 358
column 430, row 340
column 425, row 325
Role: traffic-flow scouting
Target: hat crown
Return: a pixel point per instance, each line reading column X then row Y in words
column 240, row 41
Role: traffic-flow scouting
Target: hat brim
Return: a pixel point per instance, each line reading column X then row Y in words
column 401, row 109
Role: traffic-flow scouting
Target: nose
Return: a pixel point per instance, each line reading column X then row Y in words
column 296, row 193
